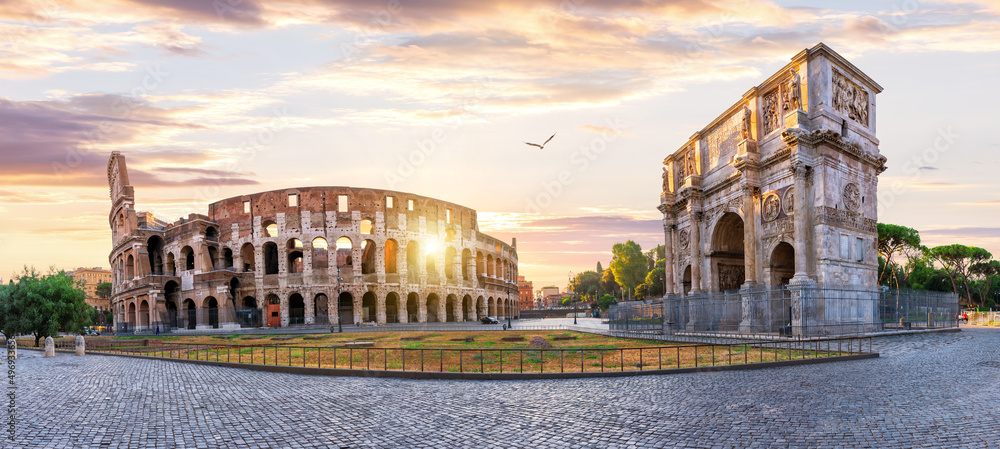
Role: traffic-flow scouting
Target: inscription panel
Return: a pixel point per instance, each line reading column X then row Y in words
column 722, row 141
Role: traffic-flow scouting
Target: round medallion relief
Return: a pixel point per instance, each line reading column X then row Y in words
column 683, row 239
column 788, row 201
column 771, row 207
column 852, row 197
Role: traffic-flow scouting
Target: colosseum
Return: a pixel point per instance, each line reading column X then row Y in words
column 305, row 256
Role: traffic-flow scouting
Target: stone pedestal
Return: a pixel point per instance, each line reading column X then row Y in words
column 797, row 119
column 50, row 347
column 81, row 345
column 746, row 146
column 801, row 288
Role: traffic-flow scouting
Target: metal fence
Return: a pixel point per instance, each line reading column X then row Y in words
column 790, row 311
column 488, row 360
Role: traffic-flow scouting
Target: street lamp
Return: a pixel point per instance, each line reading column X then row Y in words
column 570, row 284
column 509, row 325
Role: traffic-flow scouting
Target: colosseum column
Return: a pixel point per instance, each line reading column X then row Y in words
column 307, row 266
column 283, row 307
column 380, row 260
column 380, row 308
column 310, row 302
column 421, row 307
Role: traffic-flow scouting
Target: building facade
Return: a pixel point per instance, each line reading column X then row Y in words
column 311, row 255
column 526, row 294
column 91, row 278
column 780, row 189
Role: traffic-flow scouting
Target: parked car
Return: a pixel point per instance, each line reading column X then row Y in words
column 488, row 320
column 92, row 331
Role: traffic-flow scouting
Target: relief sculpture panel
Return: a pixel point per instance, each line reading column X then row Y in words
column 850, row 99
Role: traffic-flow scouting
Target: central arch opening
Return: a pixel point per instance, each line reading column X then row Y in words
column 727, row 257
column 782, row 264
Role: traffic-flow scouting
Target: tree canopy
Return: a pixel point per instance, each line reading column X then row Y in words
column 893, row 239
column 957, row 261
column 628, row 264
column 43, row 305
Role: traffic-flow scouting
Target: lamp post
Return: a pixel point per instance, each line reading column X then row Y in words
column 509, row 325
column 570, row 284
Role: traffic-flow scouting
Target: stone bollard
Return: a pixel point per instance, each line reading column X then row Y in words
column 11, row 349
column 80, row 345
column 50, row 347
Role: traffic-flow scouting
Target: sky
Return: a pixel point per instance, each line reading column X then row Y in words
column 212, row 99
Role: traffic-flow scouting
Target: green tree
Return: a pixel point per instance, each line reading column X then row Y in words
column 586, row 285
column 628, row 264
column 43, row 305
column 609, row 286
column 104, row 290
column 606, row 301
column 985, row 275
column 599, row 269
column 656, row 281
column 893, row 239
column 956, row 261
column 654, row 255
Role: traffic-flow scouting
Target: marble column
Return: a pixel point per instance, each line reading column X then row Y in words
column 801, row 223
column 696, row 262
column 668, row 253
column 749, row 235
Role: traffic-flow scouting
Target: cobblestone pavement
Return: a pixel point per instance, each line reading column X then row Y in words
column 931, row 390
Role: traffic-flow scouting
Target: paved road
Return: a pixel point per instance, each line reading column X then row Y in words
column 936, row 390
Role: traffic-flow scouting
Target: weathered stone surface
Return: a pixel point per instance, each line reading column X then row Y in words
column 794, row 200
column 81, row 345
column 50, row 347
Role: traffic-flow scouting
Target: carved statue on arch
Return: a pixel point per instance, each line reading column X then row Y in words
column 794, row 99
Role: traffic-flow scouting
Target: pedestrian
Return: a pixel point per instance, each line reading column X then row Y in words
column 157, row 330
column 965, row 317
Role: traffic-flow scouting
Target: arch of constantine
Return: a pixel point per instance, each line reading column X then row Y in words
column 290, row 256
column 778, row 194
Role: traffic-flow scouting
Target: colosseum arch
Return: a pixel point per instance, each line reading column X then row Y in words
column 247, row 258
column 481, row 308
column 413, row 261
column 412, row 308
column 270, row 251
column 296, row 309
column 187, row 255
column 295, row 257
column 346, row 311
column 368, row 249
column 365, row 227
column 320, row 254
column 170, row 266
column 154, row 250
column 321, row 309
column 392, row 308
column 227, row 258
column 190, row 313
column 433, row 309
column 391, row 255
column 345, row 261
column 468, row 308
column 129, row 267
column 369, row 307
column 269, row 228
column 490, row 266
column 453, row 310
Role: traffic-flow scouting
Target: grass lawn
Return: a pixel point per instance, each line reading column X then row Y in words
column 489, row 351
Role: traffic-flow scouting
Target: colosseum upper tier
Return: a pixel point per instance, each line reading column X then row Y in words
column 309, row 255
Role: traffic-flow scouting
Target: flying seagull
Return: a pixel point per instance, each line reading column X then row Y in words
column 542, row 146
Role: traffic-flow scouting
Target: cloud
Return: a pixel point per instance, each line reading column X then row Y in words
column 66, row 143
